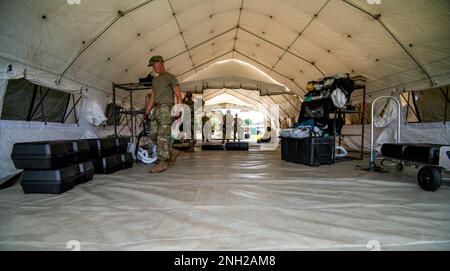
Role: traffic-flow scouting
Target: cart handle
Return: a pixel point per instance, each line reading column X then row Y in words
column 372, row 153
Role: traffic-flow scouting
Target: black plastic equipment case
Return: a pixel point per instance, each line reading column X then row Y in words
column 107, row 165
column 237, row 146
column 55, row 181
column 393, row 150
column 213, row 147
column 102, row 147
column 81, row 150
column 423, row 153
column 312, row 151
column 122, row 144
column 87, row 172
column 127, row 160
column 42, row 155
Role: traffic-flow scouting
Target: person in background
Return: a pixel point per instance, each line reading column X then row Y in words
column 188, row 100
column 206, row 128
column 238, row 131
column 267, row 137
column 284, row 123
column 227, row 124
column 235, row 127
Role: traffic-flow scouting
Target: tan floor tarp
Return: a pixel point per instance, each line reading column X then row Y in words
column 232, row 201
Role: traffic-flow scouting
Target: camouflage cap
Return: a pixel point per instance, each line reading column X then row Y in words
column 155, row 59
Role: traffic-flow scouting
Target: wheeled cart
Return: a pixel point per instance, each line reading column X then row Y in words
column 432, row 159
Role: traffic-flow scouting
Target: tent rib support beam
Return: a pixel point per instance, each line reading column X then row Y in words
column 201, row 43
column 267, row 67
column 181, row 34
column 284, row 49
column 378, row 18
column 211, row 93
column 96, row 37
column 251, row 98
column 204, row 63
column 299, row 35
column 289, row 101
column 279, row 106
column 236, row 94
column 237, row 26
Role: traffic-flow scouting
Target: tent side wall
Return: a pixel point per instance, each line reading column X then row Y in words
column 13, row 131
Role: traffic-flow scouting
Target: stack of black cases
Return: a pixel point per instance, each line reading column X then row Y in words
column 110, row 154
column 237, row 146
column 52, row 167
column 213, row 147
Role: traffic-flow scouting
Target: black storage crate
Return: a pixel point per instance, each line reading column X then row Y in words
column 87, row 172
column 42, row 155
column 237, row 146
column 107, row 165
column 393, row 150
column 423, row 153
column 53, row 181
column 102, row 147
column 312, row 151
column 122, row 144
column 213, row 147
column 81, row 150
column 127, row 160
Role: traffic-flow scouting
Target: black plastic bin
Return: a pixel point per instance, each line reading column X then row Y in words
column 107, row 165
column 53, row 181
column 312, row 151
column 122, row 144
column 393, row 150
column 87, row 172
column 81, row 150
column 127, row 160
column 213, row 147
column 423, row 153
column 102, row 147
column 43, row 155
column 237, row 146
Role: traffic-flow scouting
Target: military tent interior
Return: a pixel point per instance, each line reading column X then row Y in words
column 61, row 59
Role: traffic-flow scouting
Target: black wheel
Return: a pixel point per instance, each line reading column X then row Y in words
column 399, row 167
column 429, row 178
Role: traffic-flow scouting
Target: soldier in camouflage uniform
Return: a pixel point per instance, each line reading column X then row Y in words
column 165, row 87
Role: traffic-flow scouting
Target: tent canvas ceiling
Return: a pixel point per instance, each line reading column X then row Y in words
column 395, row 44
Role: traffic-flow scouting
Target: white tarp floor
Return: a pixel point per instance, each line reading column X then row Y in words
column 232, row 201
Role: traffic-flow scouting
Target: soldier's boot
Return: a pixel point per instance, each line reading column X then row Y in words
column 173, row 157
column 160, row 167
column 191, row 147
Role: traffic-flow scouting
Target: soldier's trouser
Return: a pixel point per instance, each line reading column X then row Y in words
column 161, row 125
